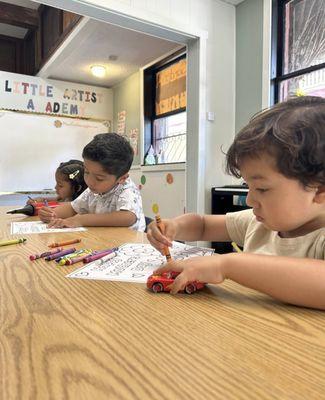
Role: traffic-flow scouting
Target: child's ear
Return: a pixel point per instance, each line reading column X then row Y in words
column 123, row 178
column 320, row 194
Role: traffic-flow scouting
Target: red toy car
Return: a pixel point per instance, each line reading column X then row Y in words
column 159, row 283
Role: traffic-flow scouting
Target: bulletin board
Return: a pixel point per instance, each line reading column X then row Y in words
column 32, row 147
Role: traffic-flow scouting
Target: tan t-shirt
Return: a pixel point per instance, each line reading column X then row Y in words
column 247, row 232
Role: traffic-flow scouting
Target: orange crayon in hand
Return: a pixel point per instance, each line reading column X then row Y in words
column 161, row 227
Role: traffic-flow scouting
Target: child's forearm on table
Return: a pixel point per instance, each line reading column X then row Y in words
column 64, row 210
column 299, row 281
column 115, row 218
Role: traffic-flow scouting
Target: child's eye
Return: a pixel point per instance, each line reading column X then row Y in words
column 99, row 180
column 262, row 190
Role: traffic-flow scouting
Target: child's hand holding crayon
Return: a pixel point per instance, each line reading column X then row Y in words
column 47, row 214
column 160, row 238
column 35, row 200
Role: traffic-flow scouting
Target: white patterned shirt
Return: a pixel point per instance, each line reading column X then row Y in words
column 124, row 196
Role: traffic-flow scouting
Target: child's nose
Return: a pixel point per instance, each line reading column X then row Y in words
column 250, row 200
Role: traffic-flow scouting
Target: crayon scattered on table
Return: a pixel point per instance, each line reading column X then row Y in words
column 161, row 227
column 83, row 252
column 46, row 254
column 60, row 254
column 64, row 243
column 14, row 241
column 105, row 258
column 98, row 255
column 75, row 260
column 75, row 254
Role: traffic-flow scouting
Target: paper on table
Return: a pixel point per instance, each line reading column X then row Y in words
column 135, row 262
column 38, row 227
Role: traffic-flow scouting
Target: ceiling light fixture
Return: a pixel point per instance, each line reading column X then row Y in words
column 98, row 70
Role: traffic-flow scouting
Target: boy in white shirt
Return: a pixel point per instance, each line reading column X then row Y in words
column 281, row 156
column 112, row 199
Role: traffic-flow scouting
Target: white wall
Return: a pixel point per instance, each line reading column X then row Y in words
column 157, row 189
column 249, row 60
column 126, row 97
column 32, row 147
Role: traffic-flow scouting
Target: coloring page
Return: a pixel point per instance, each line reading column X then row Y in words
column 23, row 228
column 134, row 262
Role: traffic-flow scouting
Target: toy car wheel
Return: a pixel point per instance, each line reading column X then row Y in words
column 157, row 287
column 190, row 288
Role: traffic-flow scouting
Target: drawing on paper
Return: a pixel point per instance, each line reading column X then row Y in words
column 23, row 228
column 135, row 262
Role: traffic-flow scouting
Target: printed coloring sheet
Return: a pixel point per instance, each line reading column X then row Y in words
column 135, row 262
column 23, row 228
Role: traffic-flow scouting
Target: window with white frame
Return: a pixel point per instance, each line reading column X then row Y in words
column 165, row 111
column 298, row 48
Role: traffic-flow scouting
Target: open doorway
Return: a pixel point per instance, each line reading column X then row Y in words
column 62, row 66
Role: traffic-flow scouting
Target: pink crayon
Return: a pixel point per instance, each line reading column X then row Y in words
column 46, row 254
column 98, row 255
column 60, row 254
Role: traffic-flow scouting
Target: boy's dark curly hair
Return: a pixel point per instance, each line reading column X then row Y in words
column 293, row 132
column 112, row 151
column 73, row 172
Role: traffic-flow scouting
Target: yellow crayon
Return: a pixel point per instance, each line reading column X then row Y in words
column 79, row 253
column 235, row 246
column 14, row 241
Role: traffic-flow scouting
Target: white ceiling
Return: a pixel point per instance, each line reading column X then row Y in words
column 94, row 42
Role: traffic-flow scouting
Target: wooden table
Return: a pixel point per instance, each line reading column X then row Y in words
column 77, row 339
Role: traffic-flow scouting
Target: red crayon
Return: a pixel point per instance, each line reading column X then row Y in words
column 46, row 254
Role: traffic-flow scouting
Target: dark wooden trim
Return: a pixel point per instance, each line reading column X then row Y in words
column 10, row 38
column 30, row 46
column 18, row 16
column 17, row 61
column 60, row 40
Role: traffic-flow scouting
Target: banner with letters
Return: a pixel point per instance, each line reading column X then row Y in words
column 37, row 95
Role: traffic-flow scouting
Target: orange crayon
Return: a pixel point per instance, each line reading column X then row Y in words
column 161, row 227
column 64, row 243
